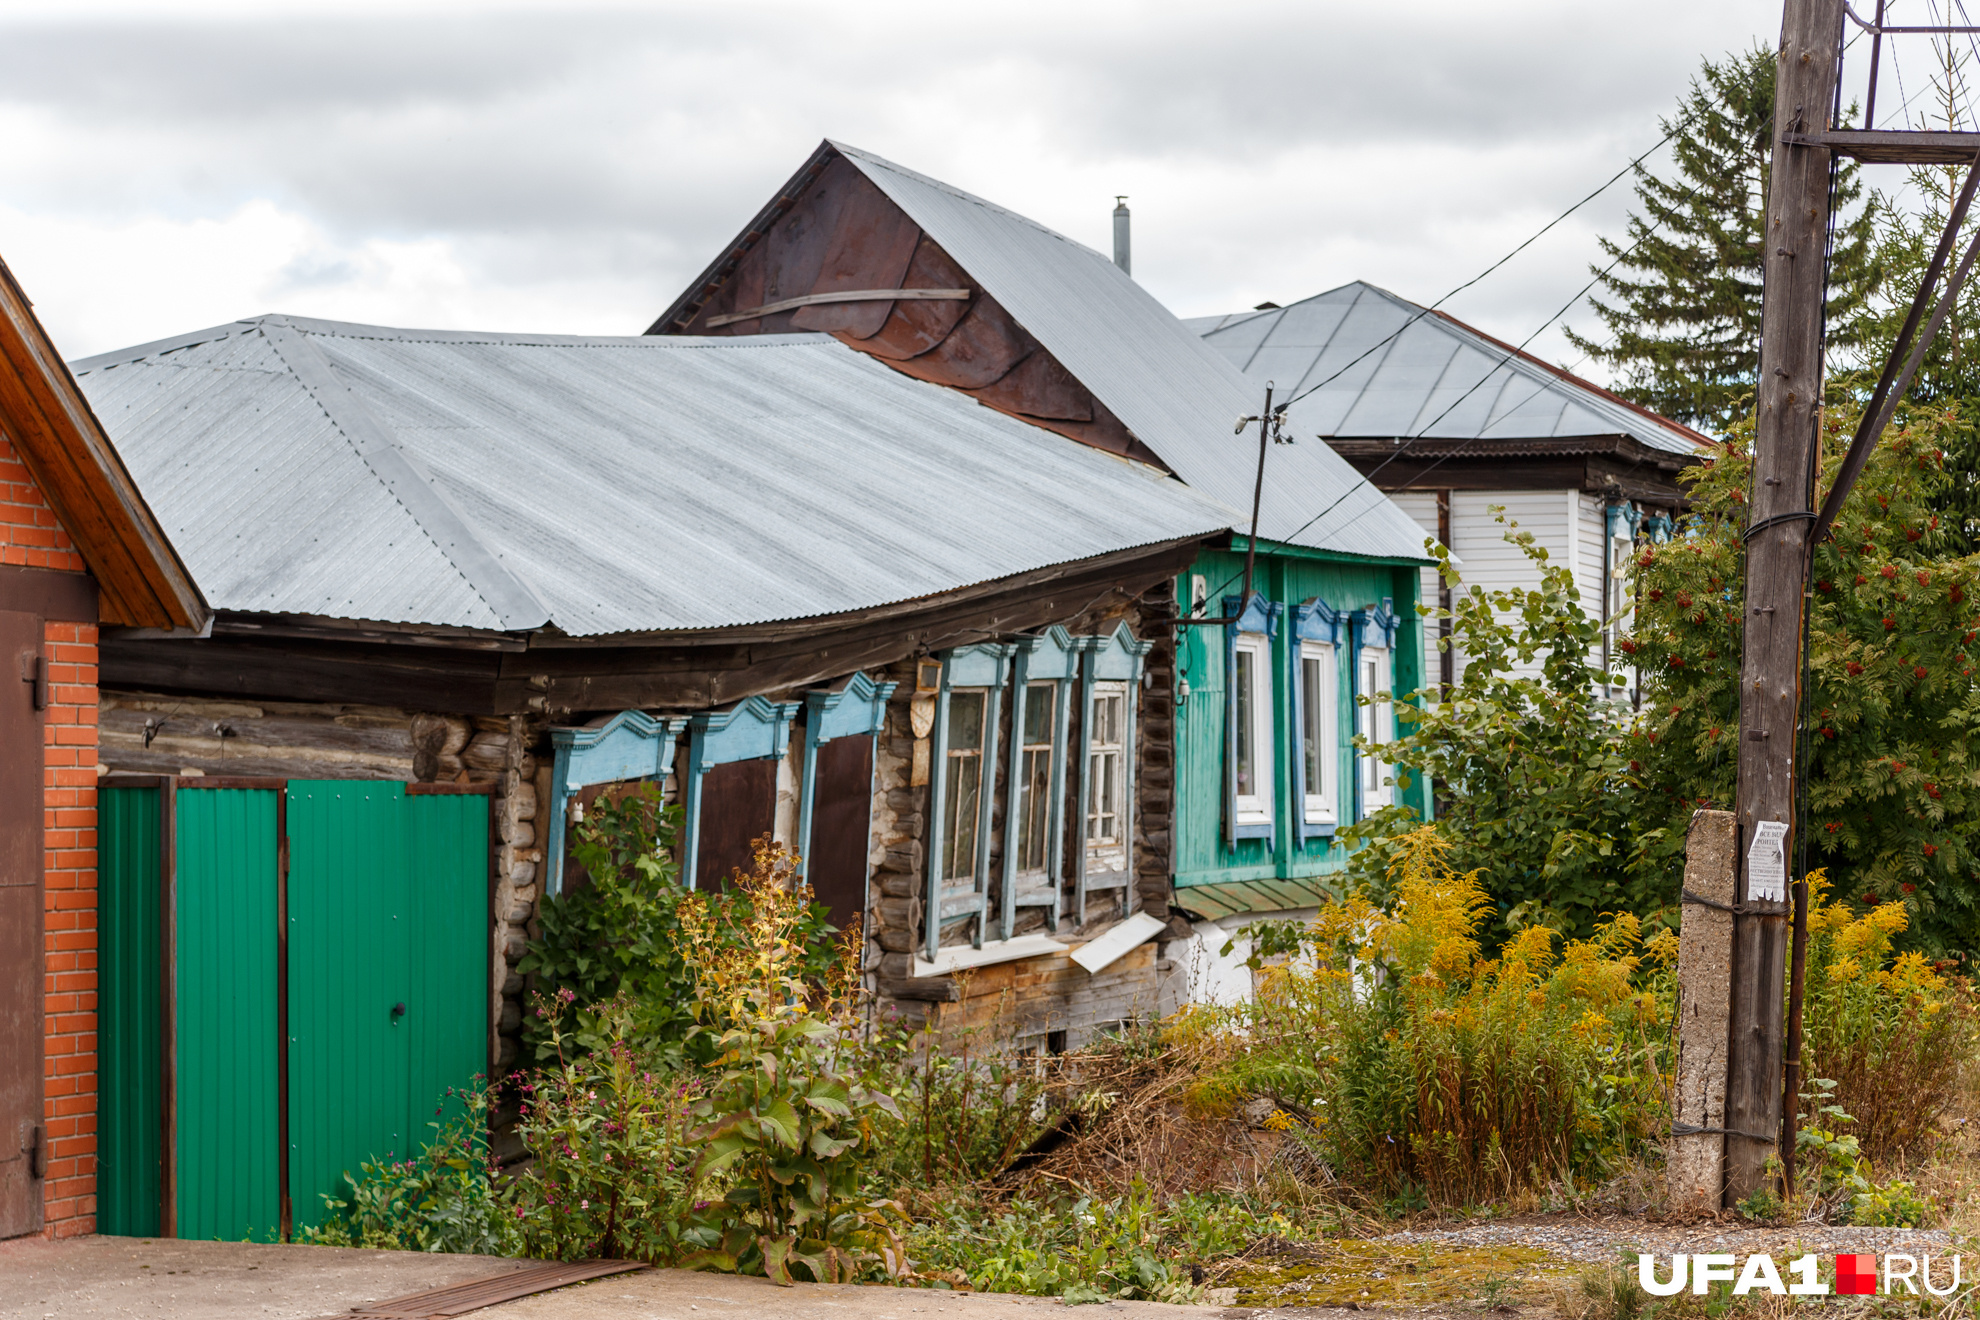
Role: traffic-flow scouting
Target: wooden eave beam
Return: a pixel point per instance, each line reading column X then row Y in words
column 64, row 448
column 1892, row 146
column 686, row 671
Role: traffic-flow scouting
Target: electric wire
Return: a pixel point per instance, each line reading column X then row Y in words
column 1682, row 122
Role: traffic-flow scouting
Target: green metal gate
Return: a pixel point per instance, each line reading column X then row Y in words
column 295, row 973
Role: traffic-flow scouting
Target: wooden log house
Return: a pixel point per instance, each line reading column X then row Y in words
column 904, row 601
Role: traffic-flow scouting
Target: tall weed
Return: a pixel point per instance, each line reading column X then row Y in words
column 1892, row 1032
column 1421, row 1070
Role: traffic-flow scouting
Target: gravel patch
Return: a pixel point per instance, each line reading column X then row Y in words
column 1597, row 1241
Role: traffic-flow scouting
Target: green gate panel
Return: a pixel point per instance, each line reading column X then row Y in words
column 349, row 944
column 447, row 1012
column 225, row 936
column 128, row 1024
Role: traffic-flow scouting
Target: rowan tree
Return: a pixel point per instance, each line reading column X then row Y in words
column 1892, row 709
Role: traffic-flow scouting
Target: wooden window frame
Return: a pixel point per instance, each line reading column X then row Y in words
column 1256, row 618
column 985, row 668
column 1376, row 631
column 1317, row 627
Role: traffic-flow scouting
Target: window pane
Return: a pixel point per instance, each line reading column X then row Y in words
column 1037, row 713
column 1103, row 813
column 1037, row 790
column 1242, row 677
column 1107, row 720
column 960, row 807
column 966, row 721
column 1314, row 693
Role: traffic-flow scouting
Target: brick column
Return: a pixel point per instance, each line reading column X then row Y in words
column 69, row 916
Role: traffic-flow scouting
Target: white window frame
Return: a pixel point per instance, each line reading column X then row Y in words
column 1255, row 808
column 1322, row 804
column 1111, row 856
column 1376, row 723
column 1034, row 807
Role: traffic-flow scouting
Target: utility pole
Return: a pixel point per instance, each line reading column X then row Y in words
column 1785, row 460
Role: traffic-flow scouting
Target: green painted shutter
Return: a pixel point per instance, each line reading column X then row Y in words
column 128, row 1025
column 349, row 947
column 447, row 1011
column 228, row 1184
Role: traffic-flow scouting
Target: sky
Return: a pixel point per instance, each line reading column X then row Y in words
column 527, row 167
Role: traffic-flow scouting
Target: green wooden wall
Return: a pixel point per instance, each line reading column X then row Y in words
column 129, row 1026
column 1201, row 855
column 229, row 1184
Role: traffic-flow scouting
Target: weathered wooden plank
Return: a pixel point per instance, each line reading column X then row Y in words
column 915, row 328
column 1893, row 146
column 147, row 733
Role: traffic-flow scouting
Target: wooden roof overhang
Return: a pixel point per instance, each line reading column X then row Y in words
column 140, row 581
column 467, row 671
column 1606, row 464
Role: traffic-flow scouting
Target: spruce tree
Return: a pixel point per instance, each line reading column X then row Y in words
column 1682, row 304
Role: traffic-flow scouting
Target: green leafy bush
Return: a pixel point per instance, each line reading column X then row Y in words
column 445, row 1199
column 618, row 938
column 1894, row 716
column 1083, row 1249
column 612, row 1172
column 1537, row 793
column 968, row 1106
column 787, row 1113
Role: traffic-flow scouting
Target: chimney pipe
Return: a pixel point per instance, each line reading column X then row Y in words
column 1121, row 235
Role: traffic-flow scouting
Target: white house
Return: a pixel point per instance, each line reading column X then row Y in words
column 1451, row 422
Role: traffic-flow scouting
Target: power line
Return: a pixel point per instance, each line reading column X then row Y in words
column 1531, row 239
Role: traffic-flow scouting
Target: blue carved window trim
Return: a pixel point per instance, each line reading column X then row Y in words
column 1373, row 626
column 1052, row 657
column 1315, row 621
column 753, row 729
column 985, row 666
column 858, row 708
column 1257, row 616
column 629, row 745
column 1117, row 657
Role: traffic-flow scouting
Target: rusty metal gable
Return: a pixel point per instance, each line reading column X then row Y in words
column 1176, row 394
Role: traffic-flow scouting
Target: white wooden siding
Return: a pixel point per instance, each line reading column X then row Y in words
column 1422, row 506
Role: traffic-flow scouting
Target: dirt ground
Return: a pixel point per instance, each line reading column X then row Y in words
column 101, row 1278
column 1478, row 1271
column 114, row 1276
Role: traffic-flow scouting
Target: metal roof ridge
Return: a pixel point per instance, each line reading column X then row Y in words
column 1562, row 375
column 525, row 339
column 137, row 352
column 863, row 157
column 511, row 600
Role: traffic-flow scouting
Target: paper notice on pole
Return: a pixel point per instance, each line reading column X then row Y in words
column 1766, row 863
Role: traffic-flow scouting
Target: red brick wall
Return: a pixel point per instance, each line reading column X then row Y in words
column 31, row 535
column 69, row 775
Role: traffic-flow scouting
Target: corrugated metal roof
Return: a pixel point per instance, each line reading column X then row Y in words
column 1437, row 377
column 604, row 485
column 1177, row 395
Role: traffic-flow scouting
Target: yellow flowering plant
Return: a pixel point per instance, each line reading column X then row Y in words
column 1424, row 1070
column 1889, row 1029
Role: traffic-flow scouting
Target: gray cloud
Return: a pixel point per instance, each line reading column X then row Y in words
column 602, row 157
